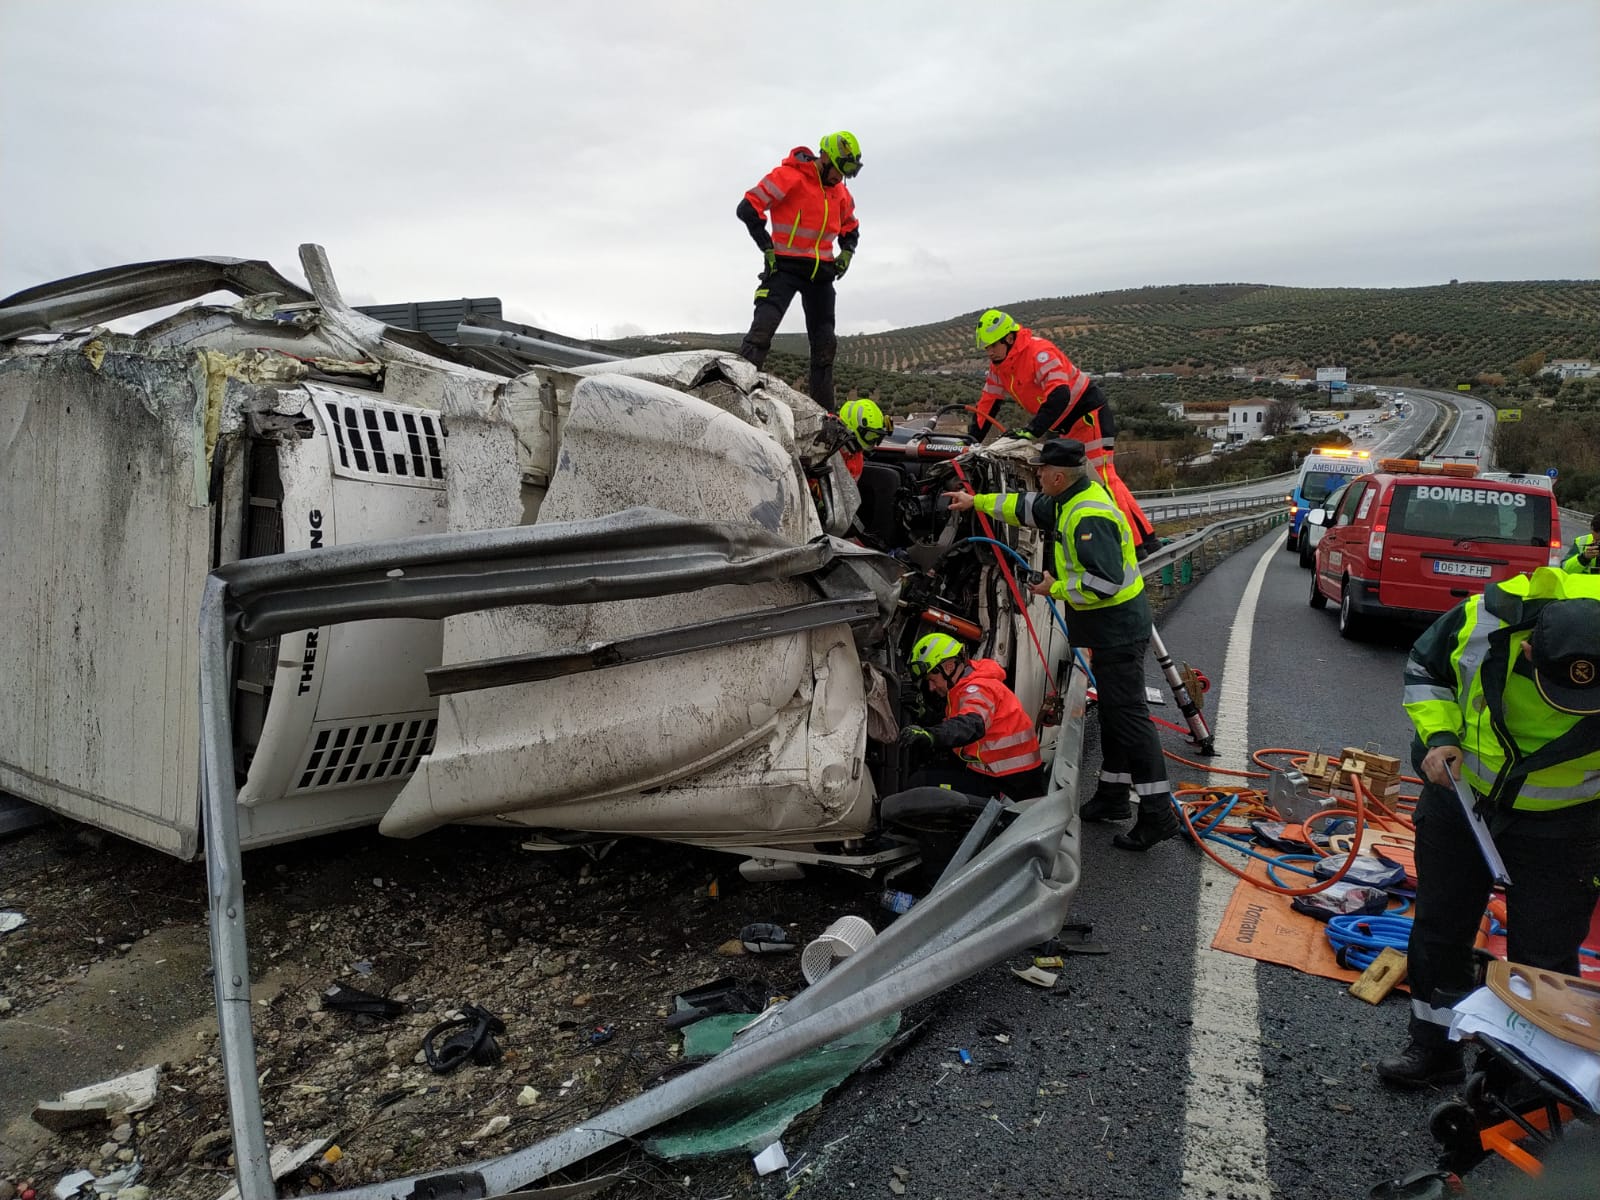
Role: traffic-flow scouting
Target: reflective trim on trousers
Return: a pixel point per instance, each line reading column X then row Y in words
column 1116, row 777
column 1158, row 787
column 1423, row 1011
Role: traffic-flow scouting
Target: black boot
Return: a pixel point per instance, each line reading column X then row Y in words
column 1157, row 822
column 1107, row 804
column 1425, row 1060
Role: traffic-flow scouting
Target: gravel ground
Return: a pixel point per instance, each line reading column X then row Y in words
column 557, row 946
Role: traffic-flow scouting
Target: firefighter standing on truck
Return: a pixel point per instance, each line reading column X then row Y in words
column 985, row 724
column 1097, row 577
column 1062, row 401
column 1504, row 691
column 811, row 208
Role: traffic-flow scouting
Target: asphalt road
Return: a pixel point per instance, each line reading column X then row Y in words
column 1166, row 1069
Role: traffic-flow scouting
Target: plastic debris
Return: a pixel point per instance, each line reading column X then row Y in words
column 897, row 902
column 473, row 1039
column 343, row 998
column 718, row 996
column 94, row 1104
column 528, row 1097
column 752, row 1115
column 11, row 920
column 601, row 1034
column 771, row 1159
column 762, row 938
column 1037, row 977
column 282, row 1160
column 838, row 941
column 966, row 1057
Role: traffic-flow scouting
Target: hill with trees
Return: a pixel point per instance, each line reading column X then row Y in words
column 1494, row 337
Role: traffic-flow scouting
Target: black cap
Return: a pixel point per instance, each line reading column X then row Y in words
column 1566, row 655
column 1060, row 452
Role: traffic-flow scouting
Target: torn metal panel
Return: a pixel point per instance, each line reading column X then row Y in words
column 703, row 635
column 739, row 742
column 100, row 296
column 1013, row 894
column 640, row 552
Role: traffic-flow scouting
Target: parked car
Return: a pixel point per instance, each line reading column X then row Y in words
column 1311, row 531
column 1412, row 539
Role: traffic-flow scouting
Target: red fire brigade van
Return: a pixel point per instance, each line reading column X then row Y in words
column 1412, row 540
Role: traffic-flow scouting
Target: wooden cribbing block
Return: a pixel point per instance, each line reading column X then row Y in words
column 1378, row 980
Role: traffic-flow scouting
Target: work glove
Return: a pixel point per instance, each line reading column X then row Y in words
column 771, row 257
column 1025, row 434
column 842, row 264
column 914, row 735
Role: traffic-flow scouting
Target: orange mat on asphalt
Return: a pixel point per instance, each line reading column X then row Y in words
column 1262, row 925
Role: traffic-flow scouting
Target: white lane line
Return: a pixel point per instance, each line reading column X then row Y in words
column 1225, row 1120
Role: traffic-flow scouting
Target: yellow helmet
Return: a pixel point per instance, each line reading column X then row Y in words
column 865, row 419
column 843, row 151
column 993, row 326
column 931, row 650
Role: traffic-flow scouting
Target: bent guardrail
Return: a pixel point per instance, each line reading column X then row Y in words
column 1012, row 894
column 1179, row 565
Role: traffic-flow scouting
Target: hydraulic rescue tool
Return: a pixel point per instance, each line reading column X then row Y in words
column 1186, row 692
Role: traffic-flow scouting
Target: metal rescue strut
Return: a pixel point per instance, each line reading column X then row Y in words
column 1199, row 731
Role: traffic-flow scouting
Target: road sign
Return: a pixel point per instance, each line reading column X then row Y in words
column 1508, row 414
column 1463, row 387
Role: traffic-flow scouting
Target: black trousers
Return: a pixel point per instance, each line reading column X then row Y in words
column 1553, row 860
column 773, row 296
column 1130, row 747
column 1024, row 785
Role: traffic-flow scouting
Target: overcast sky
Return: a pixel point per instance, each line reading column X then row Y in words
column 582, row 161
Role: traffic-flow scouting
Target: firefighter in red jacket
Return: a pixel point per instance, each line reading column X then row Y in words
column 812, row 213
column 985, row 725
column 1062, row 402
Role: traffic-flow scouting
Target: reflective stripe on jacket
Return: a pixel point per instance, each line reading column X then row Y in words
column 805, row 216
column 1009, row 743
column 1575, row 563
column 1034, row 368
column 1082, row 587
column 1447, row 699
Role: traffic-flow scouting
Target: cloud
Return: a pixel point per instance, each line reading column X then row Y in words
column 584, row 164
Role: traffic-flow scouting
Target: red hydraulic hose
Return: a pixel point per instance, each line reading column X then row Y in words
column 1011, row 581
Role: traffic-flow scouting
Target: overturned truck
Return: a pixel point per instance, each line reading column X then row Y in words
column 747, row 703
column 436, row 584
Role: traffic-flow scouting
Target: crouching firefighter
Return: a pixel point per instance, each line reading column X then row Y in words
column 1504, row 691
column 1097, row 577
column 985, row 724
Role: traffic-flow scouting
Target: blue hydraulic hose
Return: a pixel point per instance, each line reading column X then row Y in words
column 1357, row 940
column 1049, row 603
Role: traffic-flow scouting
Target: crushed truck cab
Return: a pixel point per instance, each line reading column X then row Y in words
column 734, row 715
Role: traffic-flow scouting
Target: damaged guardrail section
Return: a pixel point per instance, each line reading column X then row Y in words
column 1013, row 894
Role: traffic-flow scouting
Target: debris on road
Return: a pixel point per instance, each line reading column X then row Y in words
column 1036, row 976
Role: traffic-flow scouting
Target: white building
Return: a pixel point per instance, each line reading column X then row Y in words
column 1247, row 420
column 1571, row 368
